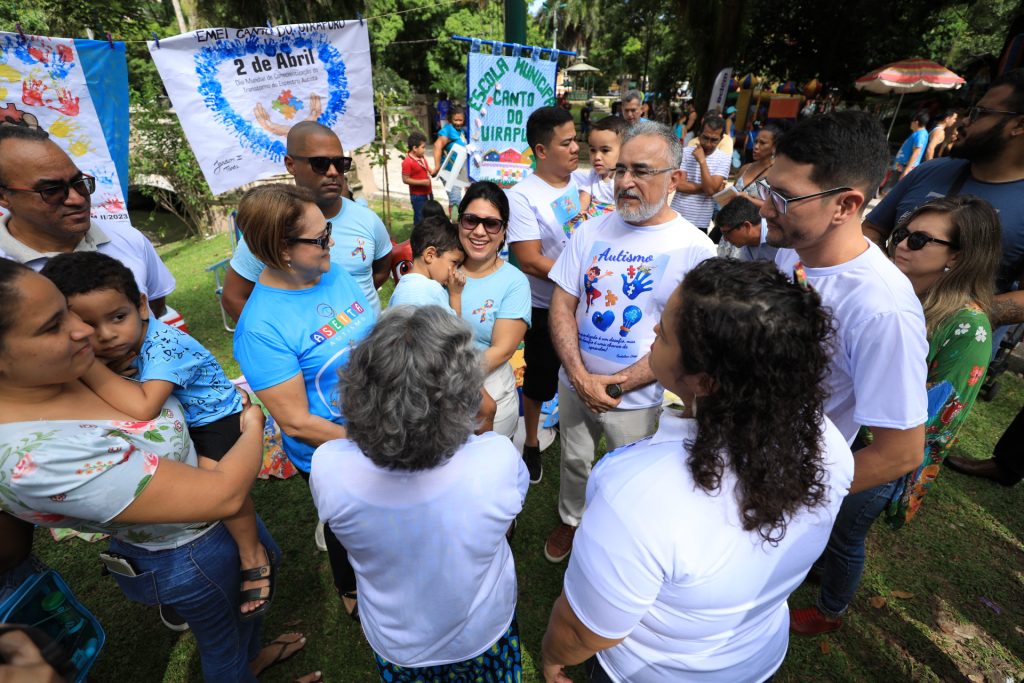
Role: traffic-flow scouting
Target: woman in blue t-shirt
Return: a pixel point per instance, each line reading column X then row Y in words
column 496, row 299
column 296, row 332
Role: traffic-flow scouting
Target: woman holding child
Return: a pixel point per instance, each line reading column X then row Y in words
column 70, row 459
column 297, row 330
column 496, row 297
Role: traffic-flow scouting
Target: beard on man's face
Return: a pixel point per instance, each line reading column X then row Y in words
column 981, row 147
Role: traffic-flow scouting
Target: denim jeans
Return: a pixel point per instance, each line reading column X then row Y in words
column 417, row 201
column 842, row 563
column 201, row 581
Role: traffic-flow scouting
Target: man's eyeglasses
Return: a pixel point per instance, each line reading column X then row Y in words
column 321, row 164
column 324, row 241
column 917, row 240
column 640, row 174
column 975, row 113
column 58, row 194
column 492, row 225
column 781, row 204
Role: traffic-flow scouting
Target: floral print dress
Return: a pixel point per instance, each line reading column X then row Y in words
column 80, row 474
column 958, row 355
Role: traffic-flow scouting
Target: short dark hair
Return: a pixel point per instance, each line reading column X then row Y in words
column 434, row 231
column 12, row 132
column 921, row 118
column 613, row 123
column 485, row 189
column 845, row 148
column 432, row 208
column 746, row 326
column 713, row 121
column 740, row 210
column 455, row 109
column 81, row 272
column 10, row 293
column 1015, row 79
column 542, row 123
column 415, row 139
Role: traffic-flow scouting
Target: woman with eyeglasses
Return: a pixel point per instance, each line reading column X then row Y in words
column 297, row 330
column 950, row 250
column 496, row 299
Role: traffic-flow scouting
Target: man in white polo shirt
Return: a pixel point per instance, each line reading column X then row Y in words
column 49, row 200
column 612, row 282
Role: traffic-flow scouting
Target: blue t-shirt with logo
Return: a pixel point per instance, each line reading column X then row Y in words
column 934, row 179
column 360, row 238
column 919, row 138
column 505, row 293
column 284, row 332
column 170, row 355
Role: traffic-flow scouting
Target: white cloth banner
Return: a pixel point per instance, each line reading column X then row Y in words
column 43, row 83
column 237, row 92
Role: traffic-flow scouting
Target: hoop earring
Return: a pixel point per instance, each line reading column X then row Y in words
column 693, row 407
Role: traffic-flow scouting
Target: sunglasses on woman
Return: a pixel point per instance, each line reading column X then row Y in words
column 323, row 241
column 469, row 221
column 321, row 164
column 917, row 240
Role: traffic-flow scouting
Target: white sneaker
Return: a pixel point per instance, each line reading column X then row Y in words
column 321, row 542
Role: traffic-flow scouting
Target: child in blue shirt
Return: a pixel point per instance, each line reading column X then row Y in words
column 165, row 361
column 436, row 256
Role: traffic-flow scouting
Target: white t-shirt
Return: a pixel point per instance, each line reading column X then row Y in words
column 549, row 214
column 623, row 275
column 602, row 192
column 879, row 365
column 668, row 567
column 122, row 242
column 698, row 208
column 434, row 572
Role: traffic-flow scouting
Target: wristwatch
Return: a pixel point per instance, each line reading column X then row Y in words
column 613, row 390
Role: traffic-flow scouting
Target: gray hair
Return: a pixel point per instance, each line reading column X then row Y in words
column 411, row 389
column 633, row 95
column 674, row 150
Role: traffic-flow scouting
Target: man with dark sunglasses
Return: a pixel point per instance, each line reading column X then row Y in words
column 49, row 202
column 826, row 168
column 987, row 162
column 361, row 242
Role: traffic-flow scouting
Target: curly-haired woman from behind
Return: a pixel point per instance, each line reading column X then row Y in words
column 422, row 505
column 692, row 540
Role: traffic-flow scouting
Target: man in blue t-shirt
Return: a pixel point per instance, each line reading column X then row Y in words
column 987, row 162
column 361, row 242
column 912, row 151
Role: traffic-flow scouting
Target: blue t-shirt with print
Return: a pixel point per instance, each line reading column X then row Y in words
column 170, row 355
column 919, row 138
column 505, row 293
column 360, row 238
column 934, row 179
column 456, row 136
column 418, row 290
column 284, row 332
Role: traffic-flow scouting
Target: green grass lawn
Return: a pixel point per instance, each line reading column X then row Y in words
column 961, row 562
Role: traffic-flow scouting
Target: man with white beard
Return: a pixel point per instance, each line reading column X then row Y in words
column 612, row 281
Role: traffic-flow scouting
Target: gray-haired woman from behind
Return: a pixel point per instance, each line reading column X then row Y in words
column 422, row 505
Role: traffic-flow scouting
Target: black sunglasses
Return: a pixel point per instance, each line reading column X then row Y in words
column 58, row 194
column 469, row 221
column 324, row 241
column 976, row 112
column 321, row 164
column 917, row 240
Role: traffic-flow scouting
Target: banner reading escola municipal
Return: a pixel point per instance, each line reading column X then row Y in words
column 503, row 92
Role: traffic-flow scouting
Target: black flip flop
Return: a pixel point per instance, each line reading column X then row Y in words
column 264, row 593
column 280, row 656
column 355, row 610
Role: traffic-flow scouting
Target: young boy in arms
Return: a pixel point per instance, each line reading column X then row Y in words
column 436, row 257
column 597, row 186
column 416, row 175
column 166, row 361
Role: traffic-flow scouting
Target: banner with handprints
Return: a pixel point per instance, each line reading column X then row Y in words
column 502, row 93
column 237, row 92
column 77, row 91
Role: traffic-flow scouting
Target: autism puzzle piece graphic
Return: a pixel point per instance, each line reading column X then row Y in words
column 610, row 299
column 287, row 104
column 482, row 311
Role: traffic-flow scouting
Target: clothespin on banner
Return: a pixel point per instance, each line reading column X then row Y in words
column 110, row 40
column 20, row 31
column 517, row 49
column 534, row 54
column 554, row 55
column 359, row 16
column 269, row 25
column 475, row 45
column 156, row 39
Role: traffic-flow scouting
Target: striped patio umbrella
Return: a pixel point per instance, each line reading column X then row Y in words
column 908, row 76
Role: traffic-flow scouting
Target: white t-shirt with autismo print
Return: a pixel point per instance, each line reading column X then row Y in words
column 623, row 275
column 539, row 211
column 879, row 364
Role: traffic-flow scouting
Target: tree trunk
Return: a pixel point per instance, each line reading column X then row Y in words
column 714, row 29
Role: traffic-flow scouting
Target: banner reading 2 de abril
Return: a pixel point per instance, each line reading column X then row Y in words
column 237, row 92
column 503, row 92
